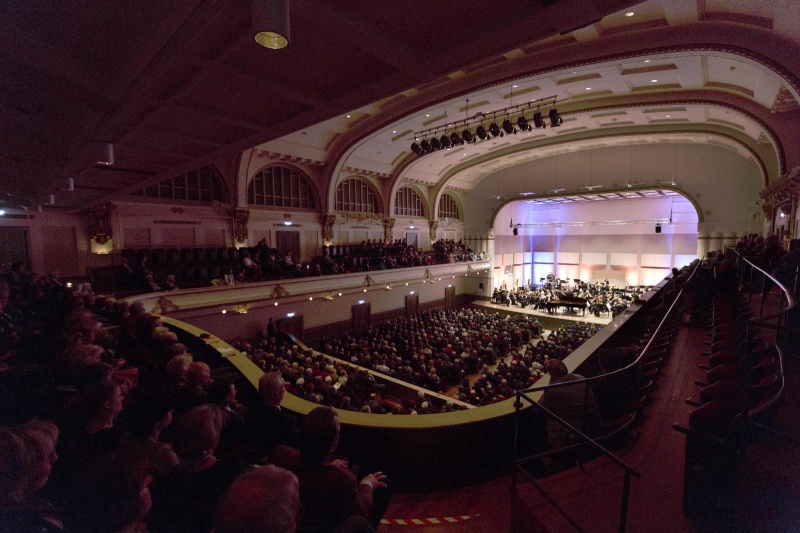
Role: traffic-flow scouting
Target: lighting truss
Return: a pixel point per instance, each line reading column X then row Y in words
column 484, row 126
column 657, row 221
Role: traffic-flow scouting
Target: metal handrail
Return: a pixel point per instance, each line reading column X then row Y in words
column 586, row 440
column 624, row 369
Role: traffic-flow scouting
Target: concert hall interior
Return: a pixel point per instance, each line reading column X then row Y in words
column 424, row 208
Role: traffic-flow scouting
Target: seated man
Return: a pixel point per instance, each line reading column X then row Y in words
column 330, row 494
column 267, row 425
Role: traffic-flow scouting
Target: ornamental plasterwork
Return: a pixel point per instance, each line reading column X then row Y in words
column 289, row 158
column 362, row 172
column 784, row 101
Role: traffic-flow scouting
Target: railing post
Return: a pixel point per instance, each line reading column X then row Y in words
column 517, row 406
column 623, row 512
column 763, row 295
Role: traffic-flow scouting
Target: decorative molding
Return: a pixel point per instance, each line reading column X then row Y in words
column 240, row 218
column 328, row 222
column 277, row 156
column 359, row 217
column 784, row 102
column 165, row 305
column 100, row 226
column 780, row 192
column 362, row 172
column 278, row 292
column 388, row 229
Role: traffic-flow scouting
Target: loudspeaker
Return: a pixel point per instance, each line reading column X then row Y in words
column 516, row 231
column 658, row 228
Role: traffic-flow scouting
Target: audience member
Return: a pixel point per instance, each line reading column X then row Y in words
column 329, row 492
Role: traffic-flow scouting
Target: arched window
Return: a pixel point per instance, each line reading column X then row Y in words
column 200, row 185
column 407, row 203
column 356, row 196
column 448, row 207
column 281, row 186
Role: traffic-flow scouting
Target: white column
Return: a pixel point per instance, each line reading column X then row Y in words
column 702, row 245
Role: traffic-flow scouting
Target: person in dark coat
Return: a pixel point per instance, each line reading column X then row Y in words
column 267, row 424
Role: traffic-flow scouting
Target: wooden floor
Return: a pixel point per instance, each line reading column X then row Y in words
column 767, row 492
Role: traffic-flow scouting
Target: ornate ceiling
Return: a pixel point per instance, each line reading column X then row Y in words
column 175, row 85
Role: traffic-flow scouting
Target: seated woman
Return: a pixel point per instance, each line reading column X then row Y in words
column 27, row 453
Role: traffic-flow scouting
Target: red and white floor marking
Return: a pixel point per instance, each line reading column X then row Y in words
column 427, row 521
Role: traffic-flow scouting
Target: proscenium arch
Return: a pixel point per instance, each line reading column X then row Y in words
column 303, row 176
column 586, row 137
column 756, row 54
column 678, row 190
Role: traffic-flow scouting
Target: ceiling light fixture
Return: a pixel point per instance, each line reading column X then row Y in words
column 104, row 153
column 630, row 14
column 270, row 19
column 653, row 81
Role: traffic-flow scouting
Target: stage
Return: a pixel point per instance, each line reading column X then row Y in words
column 549, row 321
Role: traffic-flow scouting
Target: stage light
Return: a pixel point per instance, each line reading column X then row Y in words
column 508, row 127
column 516, row 231
column 523, row 124
column 416, row 149
column 481, row 132
column 537, row 120
column 456, row 138
column 445, row 140
column 555, row 118
column 426, row 146
column 467, row 136
column 435, row 143
column 495, row 131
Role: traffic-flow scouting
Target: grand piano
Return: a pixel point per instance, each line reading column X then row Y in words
column 568, row 301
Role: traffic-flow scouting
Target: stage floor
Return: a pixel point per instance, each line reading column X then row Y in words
column 546, row 318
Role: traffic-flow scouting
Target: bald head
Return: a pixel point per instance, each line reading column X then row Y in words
column 271, row 388
column 263, row 500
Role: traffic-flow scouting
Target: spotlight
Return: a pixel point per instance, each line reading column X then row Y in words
column 516, row 231
column 537, row 120
column 495, row 131
column 416, row 149
column 435, row 143
column 456, row 138
column 481, row 132
column 555, row 118
column 445, row 141
column 523, row 124
column 426, row 145
column 467, row 136
column 508, row 127
column 271, row 22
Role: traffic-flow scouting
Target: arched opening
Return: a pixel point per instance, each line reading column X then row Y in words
column 628, row 237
